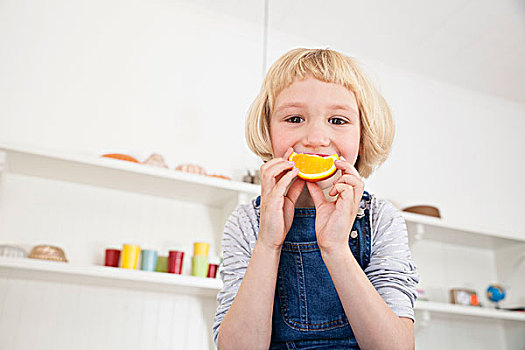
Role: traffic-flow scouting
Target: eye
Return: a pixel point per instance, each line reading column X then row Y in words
column 295, row 119
column 337, row 121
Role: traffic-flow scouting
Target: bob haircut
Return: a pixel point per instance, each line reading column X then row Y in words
column 377, row 124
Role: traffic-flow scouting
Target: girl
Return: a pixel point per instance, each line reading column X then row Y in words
column 326, row 264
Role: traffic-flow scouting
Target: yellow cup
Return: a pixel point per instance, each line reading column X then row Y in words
column 201, row 249
column 130, row 256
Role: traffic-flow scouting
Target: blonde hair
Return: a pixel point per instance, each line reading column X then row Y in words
column 377, row 124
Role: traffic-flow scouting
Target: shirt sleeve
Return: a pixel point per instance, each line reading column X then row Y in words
column 238, row 241
column 391, row 269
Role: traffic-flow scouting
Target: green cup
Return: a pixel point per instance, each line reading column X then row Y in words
column 199, row 266
column 162, row 264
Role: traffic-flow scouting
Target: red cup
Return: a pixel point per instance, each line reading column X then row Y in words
column 112, row 257
column 175, row 260
column 212, row 270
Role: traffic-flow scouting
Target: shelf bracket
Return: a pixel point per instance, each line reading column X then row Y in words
column 3, row 169
column 243, row 198
column 420, row 232
column 3, row 156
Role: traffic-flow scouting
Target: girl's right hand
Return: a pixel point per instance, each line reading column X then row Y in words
column 278, row 204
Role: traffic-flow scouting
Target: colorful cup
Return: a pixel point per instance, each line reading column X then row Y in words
column 148, row 260
column 212, row 270
column 199, row 266
column 201, row 248
column 130, row 256
column 162, row 264
column 112, row 257
column 175, row 260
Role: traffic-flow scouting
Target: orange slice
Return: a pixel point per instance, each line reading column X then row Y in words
column 313, row 167
column 120, row 156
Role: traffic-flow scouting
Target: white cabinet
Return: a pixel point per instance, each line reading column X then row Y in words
column 455, row 256
column 85, row 204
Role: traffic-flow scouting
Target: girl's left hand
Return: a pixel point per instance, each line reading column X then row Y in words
column 334, row 220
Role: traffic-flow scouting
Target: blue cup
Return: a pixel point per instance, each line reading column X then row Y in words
column 148, row 260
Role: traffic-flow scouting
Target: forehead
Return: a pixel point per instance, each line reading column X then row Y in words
column 314, row 92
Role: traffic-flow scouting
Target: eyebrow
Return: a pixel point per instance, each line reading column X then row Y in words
column 302, row 105
column 343, row 107
column 291, row 105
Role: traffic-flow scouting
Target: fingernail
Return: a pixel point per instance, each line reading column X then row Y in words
column 291, row 162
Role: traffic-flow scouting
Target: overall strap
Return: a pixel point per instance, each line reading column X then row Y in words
column 360, row 236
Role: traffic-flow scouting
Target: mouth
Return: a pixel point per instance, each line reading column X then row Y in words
column 319, row 154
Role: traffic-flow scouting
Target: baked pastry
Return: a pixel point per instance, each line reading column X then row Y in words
column 48, row 252
column 155, row 160
column 191, row 168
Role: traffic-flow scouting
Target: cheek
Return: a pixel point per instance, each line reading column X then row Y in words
column 280, row 143
column 351, row 151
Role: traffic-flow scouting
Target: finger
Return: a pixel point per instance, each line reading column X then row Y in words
column 346, row 167
column 277, row 160
column 285, row 181
column 344, row 191
column 350, row 179
column 345, row 198
column 270, row 173
column 357, row 184
column 295, row 190
column 270, row 163
column 316, row 193
column 288, row 153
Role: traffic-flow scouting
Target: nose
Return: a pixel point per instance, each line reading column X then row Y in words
column 316, row 135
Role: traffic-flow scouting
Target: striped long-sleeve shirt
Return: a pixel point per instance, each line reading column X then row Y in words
column 391, row 270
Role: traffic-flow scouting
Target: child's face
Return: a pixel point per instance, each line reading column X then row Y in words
column 316, row 117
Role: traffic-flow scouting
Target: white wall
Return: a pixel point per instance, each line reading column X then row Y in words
column 457, row 149
column 175, row 77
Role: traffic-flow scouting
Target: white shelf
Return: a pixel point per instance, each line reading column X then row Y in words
column 25, row 268
column 471, row 311
column 139, row 178
column 436, row 229
column 123, row 175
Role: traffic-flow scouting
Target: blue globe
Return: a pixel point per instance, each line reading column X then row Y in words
column 495, row 293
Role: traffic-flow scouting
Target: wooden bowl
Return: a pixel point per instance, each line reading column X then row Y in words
column 424, row 210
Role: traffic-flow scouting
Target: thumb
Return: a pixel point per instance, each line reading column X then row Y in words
column 295, row 190
column 316, row 193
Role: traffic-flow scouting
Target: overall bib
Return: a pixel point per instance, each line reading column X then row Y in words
column 307, row 312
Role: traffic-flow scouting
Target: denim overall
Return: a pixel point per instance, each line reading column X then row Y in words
column 307, row 312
